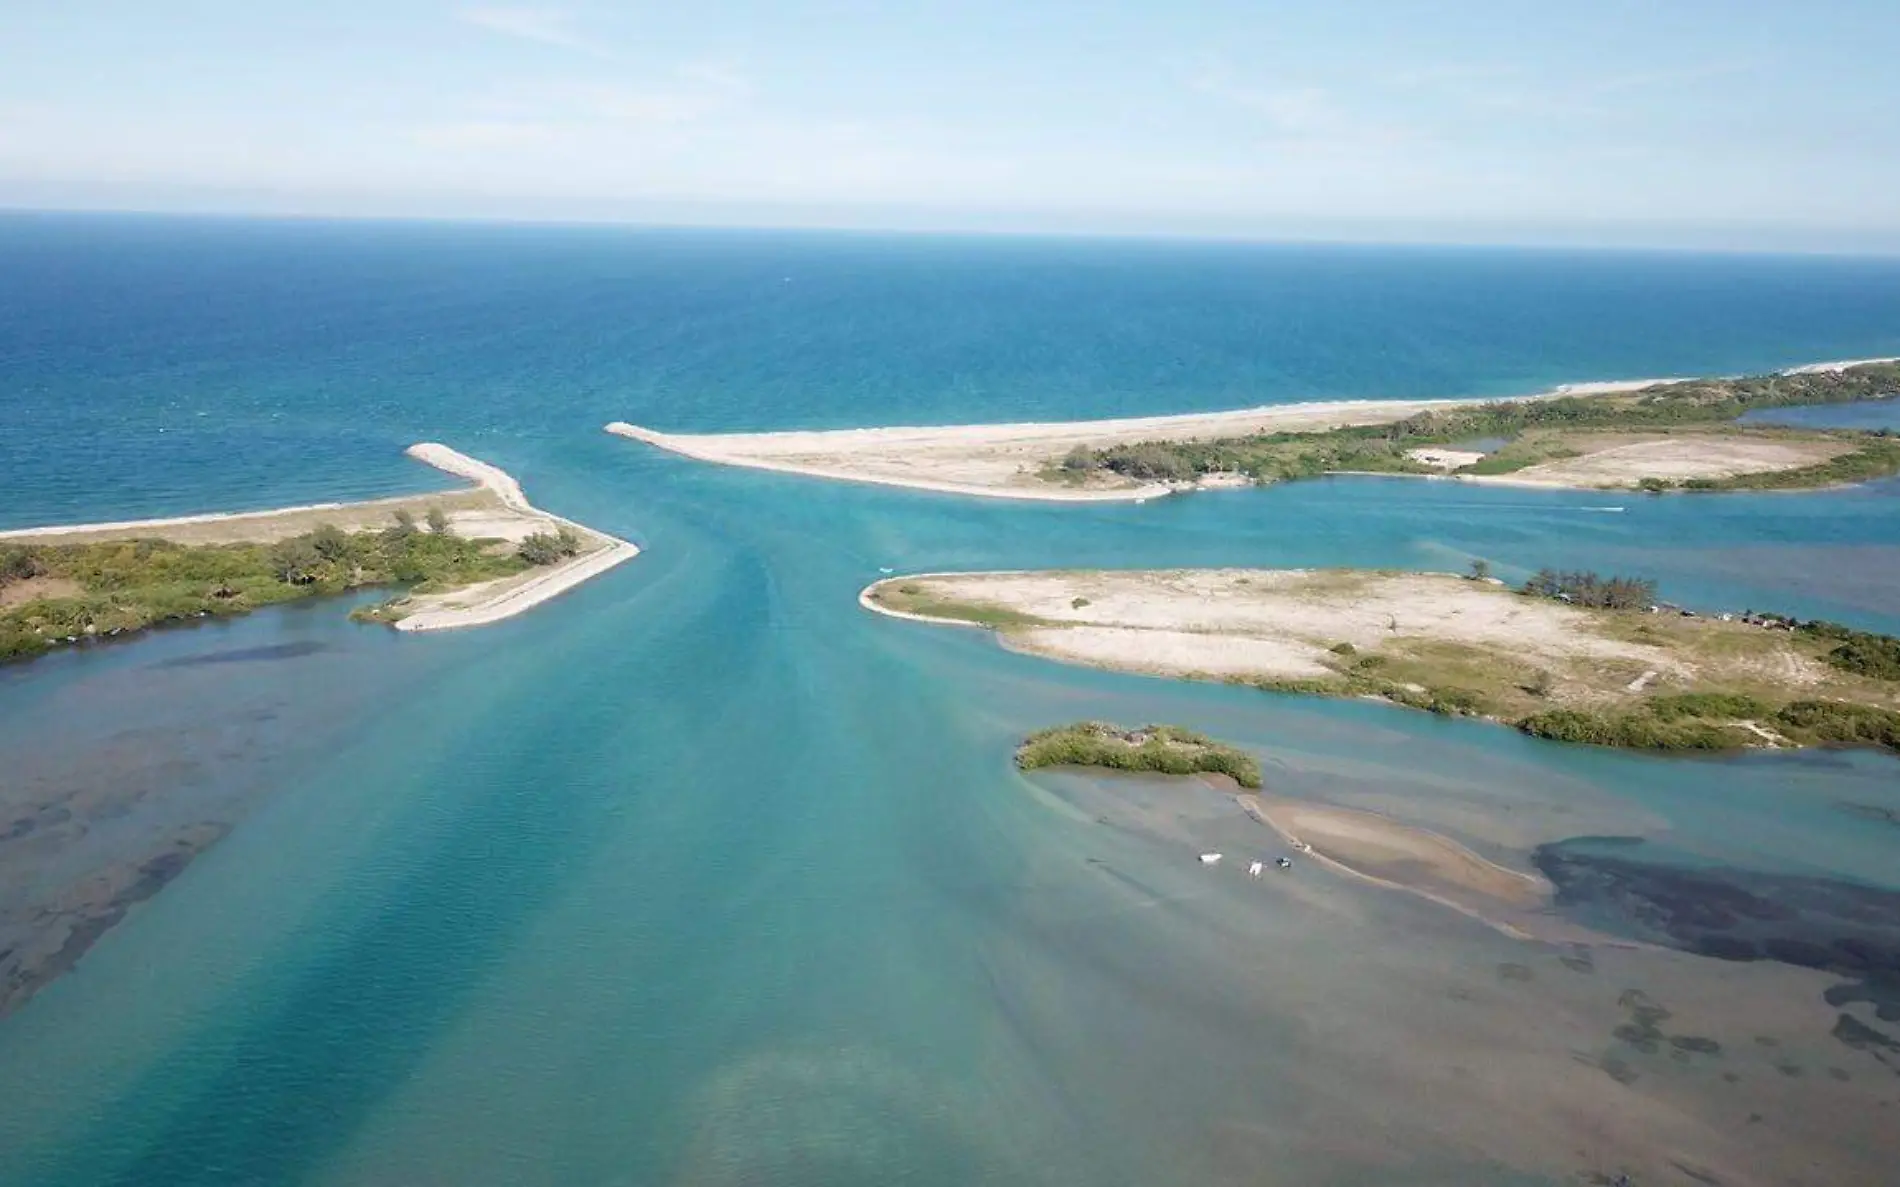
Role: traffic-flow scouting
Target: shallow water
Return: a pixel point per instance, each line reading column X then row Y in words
column 702, row 875
column 1867, row 414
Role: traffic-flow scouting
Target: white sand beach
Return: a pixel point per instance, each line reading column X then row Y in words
column 1004, row 461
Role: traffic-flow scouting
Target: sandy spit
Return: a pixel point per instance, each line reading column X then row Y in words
column 494, row 601
column 1000, row 461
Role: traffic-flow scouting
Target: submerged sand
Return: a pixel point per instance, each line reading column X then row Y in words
column 1388, row 853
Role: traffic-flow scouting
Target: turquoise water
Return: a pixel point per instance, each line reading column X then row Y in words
column 701, row 875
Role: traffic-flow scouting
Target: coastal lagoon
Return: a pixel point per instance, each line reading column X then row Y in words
column 701, row 874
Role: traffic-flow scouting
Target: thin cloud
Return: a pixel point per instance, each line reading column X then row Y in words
column 539, row 25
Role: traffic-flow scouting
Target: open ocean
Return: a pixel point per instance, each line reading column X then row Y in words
column 701, row 875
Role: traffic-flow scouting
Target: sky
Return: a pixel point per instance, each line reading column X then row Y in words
column 1690, row 123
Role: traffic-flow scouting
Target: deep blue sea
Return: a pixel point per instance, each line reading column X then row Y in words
column 701, row 875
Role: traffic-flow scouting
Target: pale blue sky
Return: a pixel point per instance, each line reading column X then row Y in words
column 1690, row 122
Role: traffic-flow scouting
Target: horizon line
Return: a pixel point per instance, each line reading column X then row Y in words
column 1549, row 242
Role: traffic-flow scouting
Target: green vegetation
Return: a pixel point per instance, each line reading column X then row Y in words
column 1588, row 589
column 913, row 598
column 1702, row 723
column 1840, row 723
column 109, row 589
column 549, row 548
column 1861, row 652
column 1160, row 749
column 1539, row 431
column 1636, row 730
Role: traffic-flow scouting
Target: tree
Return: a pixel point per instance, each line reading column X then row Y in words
column 403, row 528
column 19, row 564
column 295, row 561
column 541, row 548
column 330, row 542
column 438, row 522
column 1480, row 569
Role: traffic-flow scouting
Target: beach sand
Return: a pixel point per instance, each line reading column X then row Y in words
column 1004, row 461
column 1678, row 458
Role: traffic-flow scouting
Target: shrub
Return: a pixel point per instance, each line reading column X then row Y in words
column 1636, row 731
column 330, row 542
column 1868, row 655
column 541, row 548
column 438, row 521
column 1159, row 749
column 295, row 561
column 1722, row 706
column 1343, row 649
column 1837, row 721
column 19, row 563
column 1080, row 460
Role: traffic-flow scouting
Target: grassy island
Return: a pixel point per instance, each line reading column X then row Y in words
column 1157, row 749
column 1570, row 657
column 1667, row 436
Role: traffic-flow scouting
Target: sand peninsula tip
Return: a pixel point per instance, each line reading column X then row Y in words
column 1654, row 434
column 468, row 557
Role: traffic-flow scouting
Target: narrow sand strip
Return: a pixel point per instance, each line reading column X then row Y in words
column 1838, row 365
column 1004, row 461
column 732, row 450
column 157, row 527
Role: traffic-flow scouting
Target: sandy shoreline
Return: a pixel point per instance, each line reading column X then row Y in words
column 1002, row 461
column 1006, row 461
column 1013, row 460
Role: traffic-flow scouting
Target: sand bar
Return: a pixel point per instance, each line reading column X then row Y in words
column 1385, row 851
column 1003, row 461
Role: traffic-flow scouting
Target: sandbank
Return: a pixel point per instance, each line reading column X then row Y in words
column 1431, row 640
column 1400, row 856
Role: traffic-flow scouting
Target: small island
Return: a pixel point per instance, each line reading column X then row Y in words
column 1573, row 657
column 462, row 558
column 1153, row 749
column 1656, row 435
